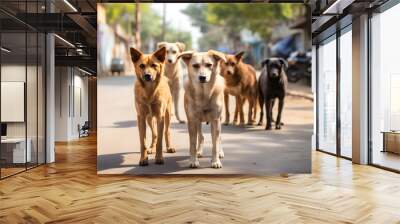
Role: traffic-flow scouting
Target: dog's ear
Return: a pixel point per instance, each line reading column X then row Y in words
column 135, row 54
column 161, row 44
column 160, row 54
column 218, row 56
column 181, row 46
column 265, row 62
column 186, row 56
column 284, row 63
column 239, row 55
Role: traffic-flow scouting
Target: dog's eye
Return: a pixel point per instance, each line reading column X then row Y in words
column 226, row 63
column 196, row 66
column 174, row 52
column 142, row 66
column 232, row 64
column 153, row 65
column 208, row 65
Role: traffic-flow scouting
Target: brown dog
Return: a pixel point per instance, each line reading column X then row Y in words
column 241, row 82
column 153, row 102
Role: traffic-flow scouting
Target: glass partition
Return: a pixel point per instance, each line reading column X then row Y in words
column 13, row 95
column 346, row 93
column 22, row 88
column 327, row 96
column 385, row 89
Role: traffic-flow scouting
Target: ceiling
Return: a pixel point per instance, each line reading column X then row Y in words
column 74, row 21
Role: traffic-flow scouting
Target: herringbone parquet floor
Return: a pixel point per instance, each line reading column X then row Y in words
column 69, row 191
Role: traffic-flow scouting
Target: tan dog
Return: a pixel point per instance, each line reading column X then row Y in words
column 173, row 71
column 241, row 82
column 204, row 96
column 153, row 102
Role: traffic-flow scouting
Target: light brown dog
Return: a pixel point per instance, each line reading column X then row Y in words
column 153, row 102
column 204, row 96
column 174, row 71
column 241, row 82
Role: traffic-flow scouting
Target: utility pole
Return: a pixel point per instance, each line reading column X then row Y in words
column 137, row 25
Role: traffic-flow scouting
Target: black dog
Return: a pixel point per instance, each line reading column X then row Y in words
column 272, row 84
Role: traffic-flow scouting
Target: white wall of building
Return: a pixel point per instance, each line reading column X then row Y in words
column 71, row 102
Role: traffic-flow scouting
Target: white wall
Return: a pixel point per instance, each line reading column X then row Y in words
column 71, row 102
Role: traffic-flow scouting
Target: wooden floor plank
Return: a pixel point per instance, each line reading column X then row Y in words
column 70, row 191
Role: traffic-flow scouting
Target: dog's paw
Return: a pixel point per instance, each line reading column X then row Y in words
column 200, row 152
column 216, row 164
column 269, row 127
column 171, row 150
column 194, row 163
column 278, row 127
column 144, row 162
column 221, row 154
column 259, row 124
column 250, row 123
column 181, row 122
column 226, row 123
column 159, row 161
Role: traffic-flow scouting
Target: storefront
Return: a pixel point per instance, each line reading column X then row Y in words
column 359, row 69
column 334, row 93
column 385, row 88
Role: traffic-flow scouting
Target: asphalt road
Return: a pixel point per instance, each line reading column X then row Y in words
column 248, row 150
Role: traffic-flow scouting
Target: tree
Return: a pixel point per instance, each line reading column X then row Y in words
column 150, row 27
column 198, row 15
column 124, row 14
column 258, row 18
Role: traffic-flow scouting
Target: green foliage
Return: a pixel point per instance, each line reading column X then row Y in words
column 258, row 18
column 124, row 15
column 151, row 23
column 198, row 15
column 173, row 35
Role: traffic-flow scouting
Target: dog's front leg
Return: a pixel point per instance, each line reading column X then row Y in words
column 144, row 161
column 250, row 120
column 200, row 141
column 175, row 96
column 167, row 134
column 280, row 108
column 153, row 126
column 215, row 132
column 193, row 126
column 261, row 102
column 241, row 112
column 221, row 150
column 226, row 101
column 268, row 109
column 160, row 130
column 237, row 110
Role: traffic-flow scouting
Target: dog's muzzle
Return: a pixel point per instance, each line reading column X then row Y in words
column 202, row 78
column 274, row 75
column 170, row 61
column 147, row 77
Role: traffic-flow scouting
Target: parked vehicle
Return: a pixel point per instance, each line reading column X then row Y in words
column 117, row 66
column 299, row 66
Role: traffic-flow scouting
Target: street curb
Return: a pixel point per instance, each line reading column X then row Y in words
column 300, row 94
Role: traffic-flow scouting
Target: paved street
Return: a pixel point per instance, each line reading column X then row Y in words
column 248, row 150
